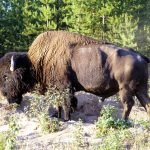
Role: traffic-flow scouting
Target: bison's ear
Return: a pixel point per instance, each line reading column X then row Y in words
column 12, row 64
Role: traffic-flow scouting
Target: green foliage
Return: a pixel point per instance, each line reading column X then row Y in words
column 2, row 141
column 122, row 124
column 41, row 103
column 115, row 140
column 109, row 122
column 145, row 124
column 126, row 23
column 38, row 104
column 39, row 107
column 122, row 29
column 79, row 135
column 37, row 16
column 11, row 134
column 117, row 135
column 48, row 125
column 11, row 26
column 56, row 96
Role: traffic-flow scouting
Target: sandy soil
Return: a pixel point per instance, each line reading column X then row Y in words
column 31, row 137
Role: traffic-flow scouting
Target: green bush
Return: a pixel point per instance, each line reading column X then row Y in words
column 108, row 121
column 115, row 140
column 145, row 124
column 48, row 125
column 2, row 141
column 41, row 103
column 79, row 135
column 11, row 134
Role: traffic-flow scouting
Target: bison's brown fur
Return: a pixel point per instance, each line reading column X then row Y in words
column 70, row 60
column 50, row 53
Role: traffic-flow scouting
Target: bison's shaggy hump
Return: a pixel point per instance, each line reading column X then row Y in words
column 50, row 53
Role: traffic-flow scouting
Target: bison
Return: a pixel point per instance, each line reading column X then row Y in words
column 77, row 62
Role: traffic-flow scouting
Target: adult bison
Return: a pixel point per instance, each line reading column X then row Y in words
column 69, row 60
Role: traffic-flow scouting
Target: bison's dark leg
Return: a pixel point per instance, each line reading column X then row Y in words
column 74, row 103
column 59, row 111
column 142, row 96
column 67, row 108
column 128, row 102
column 69, row 105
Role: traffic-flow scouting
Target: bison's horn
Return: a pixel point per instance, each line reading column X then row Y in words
column 12, row 65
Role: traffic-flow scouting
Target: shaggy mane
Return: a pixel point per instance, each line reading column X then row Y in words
column 50, row 53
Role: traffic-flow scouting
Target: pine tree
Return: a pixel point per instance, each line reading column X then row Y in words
column 122, row 30
column 11, row 25
column 126, row 23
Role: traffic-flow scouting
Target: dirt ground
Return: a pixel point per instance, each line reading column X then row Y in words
column 31, row 137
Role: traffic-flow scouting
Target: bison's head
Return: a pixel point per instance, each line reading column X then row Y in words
column 11, row 87
column 16, row 76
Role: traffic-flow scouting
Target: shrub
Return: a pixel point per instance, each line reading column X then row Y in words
column 38, row 104
column 48, row 125
column 56, row 96
column 2, row 141
column 41, row 103
column 145, row 124
column 79, row 135
column 108, row 121
column 115, row 140
column 11, row 134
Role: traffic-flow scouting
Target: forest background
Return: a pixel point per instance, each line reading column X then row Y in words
column 122, row 22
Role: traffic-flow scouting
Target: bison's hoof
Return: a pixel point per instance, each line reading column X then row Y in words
column 66, row 120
